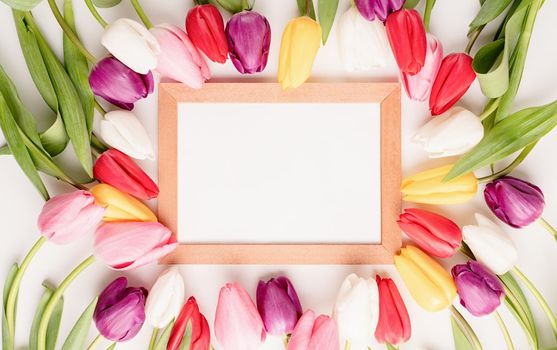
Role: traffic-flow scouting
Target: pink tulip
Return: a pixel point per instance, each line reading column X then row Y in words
column 238, row 325
column 312, row 333
column 69, row 216
column 418, row 86
column 128, row 245
column 179, row 59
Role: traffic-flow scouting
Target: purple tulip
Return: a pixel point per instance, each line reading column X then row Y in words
column 516, row 202
column 479, row 290
column 118, row 84
column 120, row 311
column 278, row 305
column 249, row 37
column 369, row 9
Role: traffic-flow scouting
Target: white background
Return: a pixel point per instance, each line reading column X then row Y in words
column 316, row 285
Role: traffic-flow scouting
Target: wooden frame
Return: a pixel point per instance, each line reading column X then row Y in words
column 387, row 94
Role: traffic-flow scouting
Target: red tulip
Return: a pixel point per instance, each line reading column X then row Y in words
column 406, row 33
column 434, row 233
column 394, row 323
column 205, row 28
column 118, row 170
column 200, row 333
column 453, row 80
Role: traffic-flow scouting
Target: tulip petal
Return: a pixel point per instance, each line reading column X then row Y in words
column 123, row 131
column 301, row 336
column 120, row 206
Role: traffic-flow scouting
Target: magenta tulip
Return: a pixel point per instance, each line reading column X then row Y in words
column 418, row 86
column 314, row 333
column 278, row 305
column 370, row 9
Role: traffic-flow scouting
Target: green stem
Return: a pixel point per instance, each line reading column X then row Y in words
column 472, row 337
column 490, row 107
column 96, row 13
column 473, row 37
column 508, row 169
column 153, row 340
column 504, row 330
column 95, row 342
column 540, row 299
column 14, row 290
column 427, row 13
column 41, row 334
column 548, row 227
column 308, row 7
column 141, row 13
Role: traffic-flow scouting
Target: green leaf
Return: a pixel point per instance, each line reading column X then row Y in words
column 327, row 10
column 163, row 340
column 23, row 5
column 33, row 339
column 5, row 150
column 53, row 328
column 490, row 10
column 54, row 139
column 112, row 347
column 106, row 3
column 186, row 340
column 410, row 4
column 519, row 307
column 508, row 136
column 7, row 340
column 232, row 6
column 302, row 8
column 78, row 335
column 461, row 341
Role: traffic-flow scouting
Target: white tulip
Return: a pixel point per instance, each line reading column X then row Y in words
column 450, row 134
column 356, row 311
column 165, row 298
column 123, row 131
column 491, row 246
column 362, row 44
column 132, row 44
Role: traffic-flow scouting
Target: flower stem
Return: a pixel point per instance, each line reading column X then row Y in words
column 141, row 13
column 548, row 227
column 504, row 330
column 96, row 13
column 347, row 345
column 95, row 342
column 427, row 13
column 41, row 336
column 14, row 290
column 473, row 338
column 473, row 37
column 308, row 7
column 508, row 169
column 540, row 299
column 153, row 340
column 490, row 107
column 99, row 108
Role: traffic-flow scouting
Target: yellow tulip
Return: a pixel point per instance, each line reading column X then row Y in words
column 121, row 206
column 301, row 40
column 430, row 285
column 428, row 187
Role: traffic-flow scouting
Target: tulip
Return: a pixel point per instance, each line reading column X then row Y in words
column 453, row 80
column 452, row 133
column 300, row 41
column 166, row 298
column 205, row 28
column 238, row 325
column 394, row 322
column 516, row 202
column 120, row 310
column 123, row 131
column 118, row 84
column 313, row 333
column 406, row 34
column 356, row 311
column 132, row 44
column 434, row 233
column 69, row 216
column 362, row 44
column 429, row 284
column 418, row 86
column 179, row 59
column 370, row 9
column 129, row 245
column 491, row 245
column 249, row 38
column 479, row 290
column 429, row 187
column 278, row 305
column 120, row 206
column 200, row 334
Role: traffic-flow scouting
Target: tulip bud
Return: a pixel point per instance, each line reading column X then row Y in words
column 120, row 311
column 418, row 86
column 429, row 284
column 69, row 216
column 356, row 311
column 132, row 44
column 516, row 202
column 479, row 290
column 278, row 305
column 129, row 245
column 394, row 322
column 200, row 334
column 300, row 42
column 370, row 9
column 123, row 131
column 120, row 206
column 249, row 38
column 179, row 59
column 313, row 333
column 205, row 28
column 406, row 34
column 434, row 233
column 362, row 44
column 165, row 299
column 491, row 245
column 453, row 80
column 452, row 133
column 428, row 187
column 118, row 84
